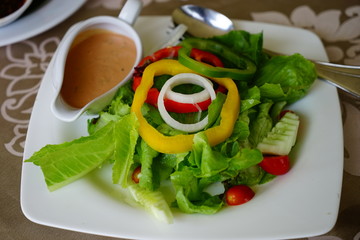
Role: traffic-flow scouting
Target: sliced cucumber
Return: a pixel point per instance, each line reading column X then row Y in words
column 153, row 201
column 282, row 136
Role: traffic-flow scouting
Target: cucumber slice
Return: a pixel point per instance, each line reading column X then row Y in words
column 152, row 201
column 282, row 136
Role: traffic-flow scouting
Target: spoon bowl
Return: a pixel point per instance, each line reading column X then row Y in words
column 202, row 22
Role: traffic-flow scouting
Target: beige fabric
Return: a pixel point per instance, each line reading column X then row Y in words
column 23, row 64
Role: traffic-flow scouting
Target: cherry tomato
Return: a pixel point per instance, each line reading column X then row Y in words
column 239, row 194
column 276, row 165
column 135, row 174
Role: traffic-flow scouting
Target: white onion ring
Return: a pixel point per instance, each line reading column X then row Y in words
column 187, row 98
column 184, row 78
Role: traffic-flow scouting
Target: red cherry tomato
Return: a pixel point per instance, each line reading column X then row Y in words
column 239, row 194
column 276, row 165
column 135, row 174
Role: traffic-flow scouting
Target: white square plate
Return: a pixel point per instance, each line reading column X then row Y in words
column 302, row 203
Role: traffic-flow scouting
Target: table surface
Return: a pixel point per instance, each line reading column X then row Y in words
column 336, row 23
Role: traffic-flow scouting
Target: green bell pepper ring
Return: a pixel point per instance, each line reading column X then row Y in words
column 245, row 67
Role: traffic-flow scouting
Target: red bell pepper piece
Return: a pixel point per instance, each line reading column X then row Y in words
column 206, row 57
column 173, row 106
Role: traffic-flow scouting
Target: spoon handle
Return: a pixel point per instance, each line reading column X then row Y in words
column 342, row 79
column 346, row 69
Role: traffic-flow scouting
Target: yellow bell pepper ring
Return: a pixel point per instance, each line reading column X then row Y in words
column 183, row 142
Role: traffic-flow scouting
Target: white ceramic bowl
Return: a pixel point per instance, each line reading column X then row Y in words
column 15, row 15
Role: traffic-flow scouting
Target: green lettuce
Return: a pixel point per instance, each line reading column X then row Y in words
column 190, row 197
column 118, row 107
column 285, row 78
column 146, row 155
column 205, row 166
column 244, row 43
column 261, row 124
column 250, row 98
column 64, row 163
column 125, row 139
column 206, row 161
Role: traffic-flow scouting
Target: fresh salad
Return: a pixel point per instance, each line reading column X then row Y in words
column 208, row 112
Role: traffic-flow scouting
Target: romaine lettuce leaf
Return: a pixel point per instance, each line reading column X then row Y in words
column 207, row 161
column 242, row 42
column 148, row 180
column 205, row 166
column 64, row 163
column 190, row 197
column 153, row 201
column 124, row 141
column 261, row 125
column 207, row 205
column 250, row 98
column 245, row 158
column 248, row 176
column 285, row 78
column 104, row 118
column 118, row 107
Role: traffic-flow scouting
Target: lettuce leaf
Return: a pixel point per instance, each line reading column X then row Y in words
column 242, row 42
column 205, row 166
column 190, row 197
column 98, row 123
column 125, row 139
column 207, row 161
column 206, row 205
column 147, row 179
column 119, row 106
column 64, row 163
column 250, row 98
column 285, row 78
column 261, row 125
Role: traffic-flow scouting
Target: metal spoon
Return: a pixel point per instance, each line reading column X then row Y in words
column 205, row 22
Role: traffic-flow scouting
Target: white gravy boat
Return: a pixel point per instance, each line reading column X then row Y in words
column 122, row 25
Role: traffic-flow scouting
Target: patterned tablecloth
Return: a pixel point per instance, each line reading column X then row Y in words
column 23, row 64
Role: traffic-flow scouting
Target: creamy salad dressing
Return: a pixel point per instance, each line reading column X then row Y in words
column 97, row 61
